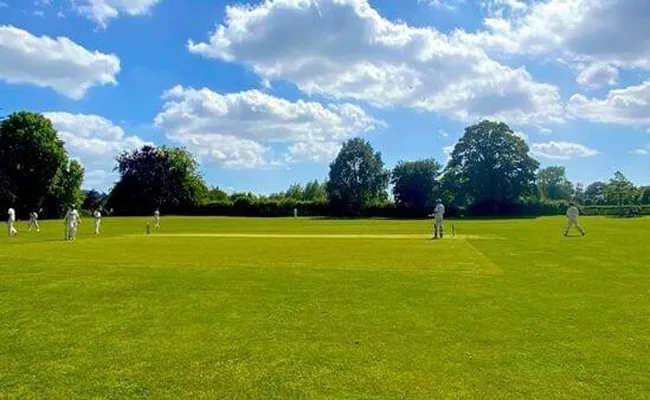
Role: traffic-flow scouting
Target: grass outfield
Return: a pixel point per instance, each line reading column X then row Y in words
column 285, row 308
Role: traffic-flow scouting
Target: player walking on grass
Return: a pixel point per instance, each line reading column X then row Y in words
column 572, row 214
column 33, row 222
column 71, row 221
column 11, row 220
column 97, row 216
column 156, row 219
column 439, row 219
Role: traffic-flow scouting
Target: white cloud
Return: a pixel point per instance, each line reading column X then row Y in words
column 561, row 150
column 102, row 11
column 597, row 75
column 639, row 152
column 442, row 133
column 609, row 31
column 94, row 140
column 346, row 50
column 630, row 105
column 315, row 151
column 57, row 63
column 238, row 129
column 3, row 4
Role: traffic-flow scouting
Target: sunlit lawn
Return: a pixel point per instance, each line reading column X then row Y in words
column 353, row 309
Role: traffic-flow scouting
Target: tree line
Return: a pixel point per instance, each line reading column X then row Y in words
column 490, row 171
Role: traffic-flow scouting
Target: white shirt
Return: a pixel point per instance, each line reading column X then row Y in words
column 156, row 214
column 12, row 215
column 439, row 211
column 33, row 216
column 573, row 212
column 73, row 217
column 97, row 214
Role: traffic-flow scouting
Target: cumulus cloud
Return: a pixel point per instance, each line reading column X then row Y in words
column 630, row 105
column 59, row 63
column 346, row 50
column 95, row 141
column 561, row 150
column 609, row 31
column 597, row 75
column 102, row 11
column 237, row 130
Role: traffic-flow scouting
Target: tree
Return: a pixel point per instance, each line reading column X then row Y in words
column 357, row 178
column 32, row 161
column 68, row 187
column 216, row 195
column 415, row 186
column 595, row 194
column 554, row 185
column 93, row 200
column 620, row 191
column 645, row 195
column 490, row 165
column 157, row 177
column 314, row 191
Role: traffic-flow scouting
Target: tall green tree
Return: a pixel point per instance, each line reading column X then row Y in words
column 215, row 195
column 595, row 194
column 357, row 178
column 621, row 191
column 415, row 184
column 490, row 165
column 34, row 166
column 156, row 177
column 553, row 184
column 314, row 191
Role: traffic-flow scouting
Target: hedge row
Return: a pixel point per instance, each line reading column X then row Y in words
column 283, row 208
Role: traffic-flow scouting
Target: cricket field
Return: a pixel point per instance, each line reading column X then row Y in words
column 317, row 308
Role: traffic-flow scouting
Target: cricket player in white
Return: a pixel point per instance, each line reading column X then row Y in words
column 572, row 214
column 72, row 220
column 11, row 220
column 33, row 221
column 439, row 219
column 156, row 219
column 97, row 216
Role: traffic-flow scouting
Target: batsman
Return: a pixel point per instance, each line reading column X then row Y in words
column 438, row 220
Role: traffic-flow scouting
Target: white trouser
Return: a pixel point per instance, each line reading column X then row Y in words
column 72, row 231
column 10, row 228
column 438, row 226
column 156, row 222
column 571, row 223
column 98, row 222
column 33, row 224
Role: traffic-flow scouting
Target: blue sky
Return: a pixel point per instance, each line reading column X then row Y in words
column 264, row 92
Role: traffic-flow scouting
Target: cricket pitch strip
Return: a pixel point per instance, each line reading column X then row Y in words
column 313, row 236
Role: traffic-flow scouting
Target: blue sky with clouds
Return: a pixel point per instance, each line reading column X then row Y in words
column 264, row 92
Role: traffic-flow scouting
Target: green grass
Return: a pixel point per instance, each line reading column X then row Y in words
column 507, row 309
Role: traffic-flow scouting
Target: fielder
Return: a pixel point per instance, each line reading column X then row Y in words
column 295, row 213
column 572, row 214
column 97, row 216
column 439, row 219
column 71, row 221
column 11, row 220
column 33, row 222
column 156, row 219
